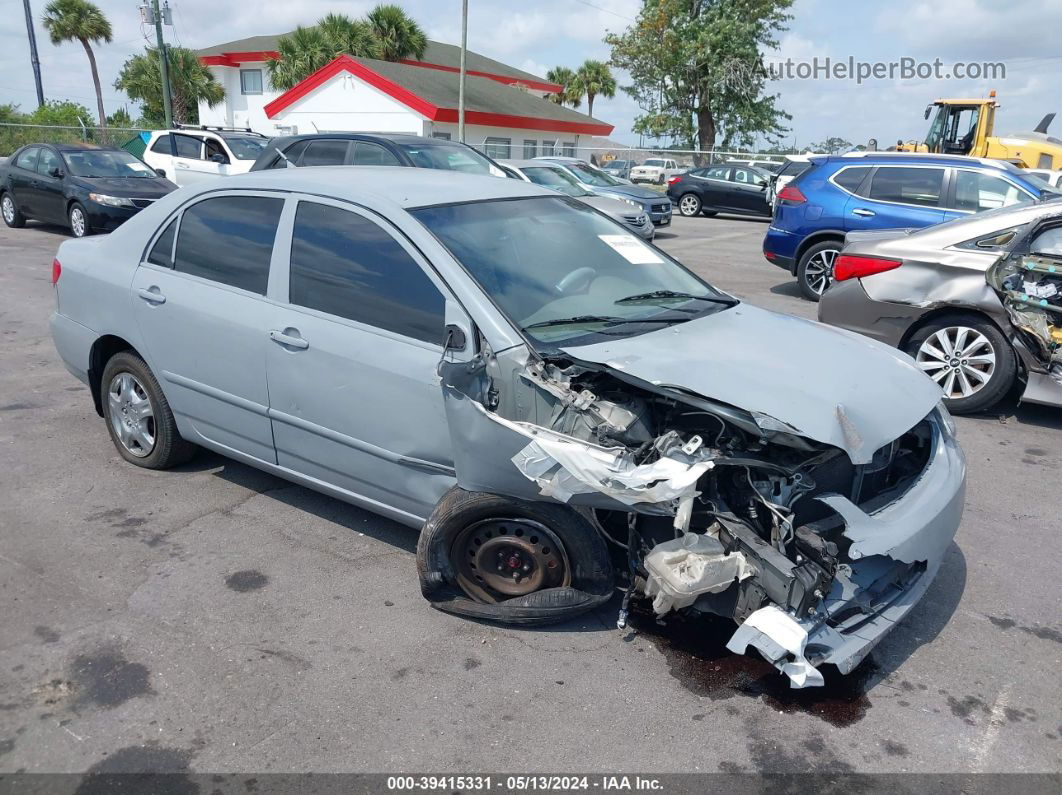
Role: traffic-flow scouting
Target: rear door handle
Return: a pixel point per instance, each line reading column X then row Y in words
column 152, row 295
column 864, row 213
column 290, row 340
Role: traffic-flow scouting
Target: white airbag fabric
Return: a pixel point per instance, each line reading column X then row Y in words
column 777, row 635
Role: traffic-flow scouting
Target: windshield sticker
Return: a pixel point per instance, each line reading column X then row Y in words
column 631, row 249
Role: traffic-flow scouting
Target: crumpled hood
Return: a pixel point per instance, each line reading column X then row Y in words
column 828, row 384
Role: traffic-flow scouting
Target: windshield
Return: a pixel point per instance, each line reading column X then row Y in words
column 245, row 147
column 106, row 163
column 556, row 178
column 559, row 270
column 593, row 176
column 616, row 165
column 451, row 157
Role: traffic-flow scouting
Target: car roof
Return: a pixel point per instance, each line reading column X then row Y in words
column 407, row 187
column 76, row 147
column 916, row 158
column 398, row 138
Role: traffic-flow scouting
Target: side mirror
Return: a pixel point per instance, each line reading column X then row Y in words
column 217, row 157
column 455, row 338
column 161, row 172
column 56, row 173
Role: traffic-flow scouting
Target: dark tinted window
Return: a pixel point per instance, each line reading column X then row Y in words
column 851, row 178
column 229, row 239
column 346, row 265
column 330, row 152
column 292, row 153
column 717, row 172
column 907, row 185
column 367, row 154
column 48, row 160
column 162, row 251
column 161, row 145
column 28, row 158
column 793, row 168
column 189, row 147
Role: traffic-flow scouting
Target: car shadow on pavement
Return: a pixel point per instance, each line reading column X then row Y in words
column 306, row 500
column 788, row 288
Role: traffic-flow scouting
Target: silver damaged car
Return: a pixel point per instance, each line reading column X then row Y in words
column 564, row 412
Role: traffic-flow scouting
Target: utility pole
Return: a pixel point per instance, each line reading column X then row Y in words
column 163, row 63
column 33, row 53
column 461, row 79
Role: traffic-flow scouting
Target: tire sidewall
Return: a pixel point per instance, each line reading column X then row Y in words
column 801, row 274
column 17, row 220
column 70, row 219
column 1002, row 380
column 700, row 205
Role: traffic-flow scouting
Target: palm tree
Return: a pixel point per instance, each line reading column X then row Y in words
column 80, row 20
column 399, row 36
column 190, row 83
column 300, row 55
column 569, row 94
column 595, row 79
column 351, row 36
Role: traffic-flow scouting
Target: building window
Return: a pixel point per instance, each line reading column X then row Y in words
column 251, row 81
column 569, row 149
column 549, row 148
column 498, row 148
column 442, row 136
column 530, row 149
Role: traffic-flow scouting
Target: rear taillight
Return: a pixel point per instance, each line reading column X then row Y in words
column 673, row 180
column 850, row 266
column 791, row 193
column 57, row 271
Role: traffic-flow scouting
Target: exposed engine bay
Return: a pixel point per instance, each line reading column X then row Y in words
column 1030, row 286
column 706, row 507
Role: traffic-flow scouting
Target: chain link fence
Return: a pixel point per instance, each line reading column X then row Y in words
column 13, row 135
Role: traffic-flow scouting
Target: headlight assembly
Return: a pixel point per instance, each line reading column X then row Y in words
column 111, row 201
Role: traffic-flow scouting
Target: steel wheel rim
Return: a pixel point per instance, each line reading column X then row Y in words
column 131, row 415
column 77, row 222
column 498, row 559
column 960, row 359
column 9, row 210
column 689, row 205
column 818, row 273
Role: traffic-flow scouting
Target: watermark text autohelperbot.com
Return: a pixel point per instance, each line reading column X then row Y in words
column 827, row 68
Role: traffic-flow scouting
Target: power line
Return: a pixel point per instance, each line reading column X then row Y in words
column 606, row 10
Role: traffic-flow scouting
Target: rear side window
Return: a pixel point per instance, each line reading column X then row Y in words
column 189, row 147
column 849, row 178
column 348, row 266
column 162, row 251
column 28, row 158
column 229, row 239
column 161, row 145
column 906, row 185
column 717, row 172
column 331, row 152
column 369, row 154
column 976, row 192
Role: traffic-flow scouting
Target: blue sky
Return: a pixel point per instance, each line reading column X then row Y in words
column 534, row 36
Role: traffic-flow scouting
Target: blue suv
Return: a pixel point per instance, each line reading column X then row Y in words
column 881, row 190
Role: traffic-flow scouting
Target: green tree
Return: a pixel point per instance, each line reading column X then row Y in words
column 61, row 113
column 399, row 35
column 121, row 119
column 595, row 79
column 190, row 83
column 570, row 94
column 831, row 146
column 697, row 70
column 386, row 33
column 80, row 20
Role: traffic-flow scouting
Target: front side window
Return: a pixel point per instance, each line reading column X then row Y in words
column 565, row 274
column 251, row 81
column 530, row 150
column 327, row 152
column 498, row 148
column 370, row 154
column 229, row 239
column 48, row 161
column 346, row 265
column 291, row 155
column 975, row 192
column 28, row 158
column 905, row 185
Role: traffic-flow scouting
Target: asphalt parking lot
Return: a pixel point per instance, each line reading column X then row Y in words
column 217, row 619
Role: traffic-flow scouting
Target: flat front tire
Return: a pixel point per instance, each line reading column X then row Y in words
column 138, row 416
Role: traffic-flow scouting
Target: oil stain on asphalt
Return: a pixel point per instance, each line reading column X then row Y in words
column 163, row 771
column 697, row 657
column 107, row 679
column 246, row 580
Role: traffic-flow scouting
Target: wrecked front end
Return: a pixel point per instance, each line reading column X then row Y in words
column 816, row 540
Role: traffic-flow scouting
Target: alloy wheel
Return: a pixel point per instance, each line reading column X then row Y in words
column 131, row 415
column 959, row 358
column 689, row 205
column 77, row 222
column 818, row 273
column 8, row 209
column 499, row 559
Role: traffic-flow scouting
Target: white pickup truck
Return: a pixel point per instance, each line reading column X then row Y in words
column 656, row 169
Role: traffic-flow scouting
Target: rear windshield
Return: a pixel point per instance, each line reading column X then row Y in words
column 793, row 168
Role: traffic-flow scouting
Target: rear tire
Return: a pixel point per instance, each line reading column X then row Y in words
column 965, row 352
column 815, row 269
column 138, row 416
column 689, row 205
column 13, row 217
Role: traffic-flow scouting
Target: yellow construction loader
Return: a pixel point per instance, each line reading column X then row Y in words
column 964, row 127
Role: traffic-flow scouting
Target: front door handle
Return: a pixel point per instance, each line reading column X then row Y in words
column 183, row 165
column 862, row 212
column 292, row 340
column 152, row 295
